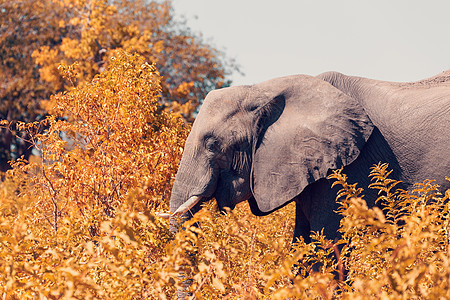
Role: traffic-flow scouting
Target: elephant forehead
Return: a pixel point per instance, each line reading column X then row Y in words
column 220, row 120
column 225, row 99
column 222, row 110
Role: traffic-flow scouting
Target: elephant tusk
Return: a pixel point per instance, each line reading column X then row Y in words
column 187, row 205
column 163, row 215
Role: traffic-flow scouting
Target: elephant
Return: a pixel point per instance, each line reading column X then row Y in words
column 276, row 142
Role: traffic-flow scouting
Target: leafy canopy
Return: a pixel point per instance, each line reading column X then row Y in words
column 37, row 36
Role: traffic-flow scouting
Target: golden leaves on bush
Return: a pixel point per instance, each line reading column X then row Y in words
column 403, row 252
column 81, row 214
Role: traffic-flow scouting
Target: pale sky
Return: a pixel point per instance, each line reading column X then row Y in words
column 396, row 40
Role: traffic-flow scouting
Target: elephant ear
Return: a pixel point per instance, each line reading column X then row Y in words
column 306, row 127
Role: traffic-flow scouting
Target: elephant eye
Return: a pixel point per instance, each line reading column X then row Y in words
column 213, row 145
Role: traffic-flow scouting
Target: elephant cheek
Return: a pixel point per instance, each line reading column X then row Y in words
column 231, row 190
column 242, row 189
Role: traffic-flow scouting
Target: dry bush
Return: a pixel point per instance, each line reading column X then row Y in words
column 402, row 253
column 77, row 222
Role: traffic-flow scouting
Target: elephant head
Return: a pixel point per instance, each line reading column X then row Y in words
column 267, row 142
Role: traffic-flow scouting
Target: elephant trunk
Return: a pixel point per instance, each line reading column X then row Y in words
column 178, row 199
column 194, row 182
column 183, row 188
column 182, row 203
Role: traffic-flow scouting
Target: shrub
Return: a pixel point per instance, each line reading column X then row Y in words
column 76, row 218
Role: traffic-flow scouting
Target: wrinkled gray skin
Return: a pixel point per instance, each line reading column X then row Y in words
column 276, row 142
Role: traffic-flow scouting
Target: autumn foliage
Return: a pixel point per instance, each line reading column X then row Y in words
column 37, row 36
column 107, row 156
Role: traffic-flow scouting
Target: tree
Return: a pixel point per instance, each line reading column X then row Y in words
column 25, row 26
column 37, row 36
